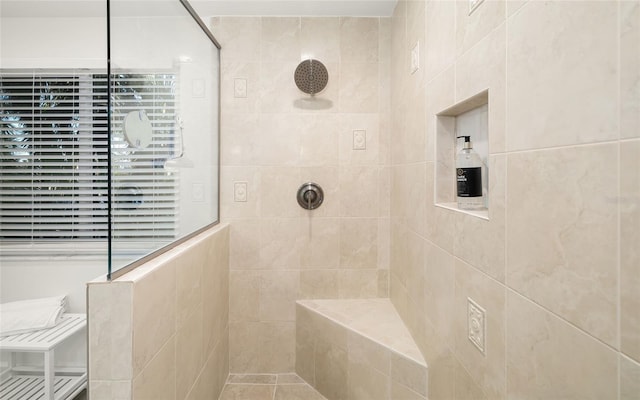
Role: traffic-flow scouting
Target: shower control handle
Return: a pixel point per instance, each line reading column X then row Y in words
column 310, row 196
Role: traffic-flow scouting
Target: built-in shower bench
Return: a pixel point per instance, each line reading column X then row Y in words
column 351, row 349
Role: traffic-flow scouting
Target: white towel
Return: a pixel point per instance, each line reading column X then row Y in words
column 31, row 315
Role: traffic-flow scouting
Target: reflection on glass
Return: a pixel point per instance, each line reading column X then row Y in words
column 164, row 75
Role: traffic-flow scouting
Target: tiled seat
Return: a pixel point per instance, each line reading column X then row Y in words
column 358, row 349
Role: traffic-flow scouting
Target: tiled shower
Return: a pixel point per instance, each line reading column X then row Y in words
column 553, row 266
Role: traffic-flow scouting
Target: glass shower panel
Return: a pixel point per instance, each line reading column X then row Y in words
column 164, row 106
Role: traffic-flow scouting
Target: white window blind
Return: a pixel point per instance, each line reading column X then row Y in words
column 53, row 165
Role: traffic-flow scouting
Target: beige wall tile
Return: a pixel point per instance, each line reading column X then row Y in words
column 359, row 191
column 481, row 242
column 319, row 140
column 439, row 287
column 440, row 96
column 415, row 267
column 320, row 39
column 465, row 387
column 399, row 391
column 216, row 293
column 154, row 314
column 278, row 293
column 442, row 375
column 110, row 331
column 548, row 358
column 189, row 277
column 629, row 379
column 228, row 207
column 280, row 243
column 244, row 299
column 362, row 351
column 278, row 137
column 110, row 390
column 629, row 252
column 279, row 186
column 247, row 391
column 415, row 35
column 384, row 40
column 484, row 67
column 366, row 383
column 239, row 131
column 244, row 247
column 408, row 373
column 358, row 243
column 331, row 370
column 383, row 283
column 514, row 5
column 629, row 69
column 473, row 28
column 357, row 283
column 157, row 380
column 280, row 39
column 278, row 93
column 355, row 39
column 440, row 47
column 305, row 345
column 319, row 284
column 562, row 245
column 440, row 223
column 384, row 243
column 415, row 149
column 189, row 357
column 321, row 243
column 488, row 369
column 218, row 364
column 244, row 347
column 358, row 90
column 240, row 36
column 542, row 93
column 349, row 123
column 278, row 347
column 250, row 72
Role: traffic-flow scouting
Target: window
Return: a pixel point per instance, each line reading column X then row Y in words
column 53, row 157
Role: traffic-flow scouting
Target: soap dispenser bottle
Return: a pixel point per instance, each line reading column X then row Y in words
column 469, row 177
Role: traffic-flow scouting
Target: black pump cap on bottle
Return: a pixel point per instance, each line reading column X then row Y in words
column 467, row 141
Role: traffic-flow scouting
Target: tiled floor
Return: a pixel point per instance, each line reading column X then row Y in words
column 268, row 387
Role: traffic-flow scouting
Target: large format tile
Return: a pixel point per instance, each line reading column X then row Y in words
column 484, row 67
column 247, row 391
column 440, row 47
column 548, row 358
column 481, row 242
column 189, row 357
column 297, row 392
column 629, row 251
column 630, row 69
column 320, row 39
column 355, row 39
column 546, row 40
column 157, row 380
column 561, row 230
column 154, row 313
column 488, row 369
column 629, row 379
column 471, row 28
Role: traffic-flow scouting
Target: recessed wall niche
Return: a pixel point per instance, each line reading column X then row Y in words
column 466, row 118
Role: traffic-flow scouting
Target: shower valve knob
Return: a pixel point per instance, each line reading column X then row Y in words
column 310, row 196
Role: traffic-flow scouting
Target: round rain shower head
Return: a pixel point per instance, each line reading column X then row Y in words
column 311, row 76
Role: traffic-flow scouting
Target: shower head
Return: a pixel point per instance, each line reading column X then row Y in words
column 311, row 76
